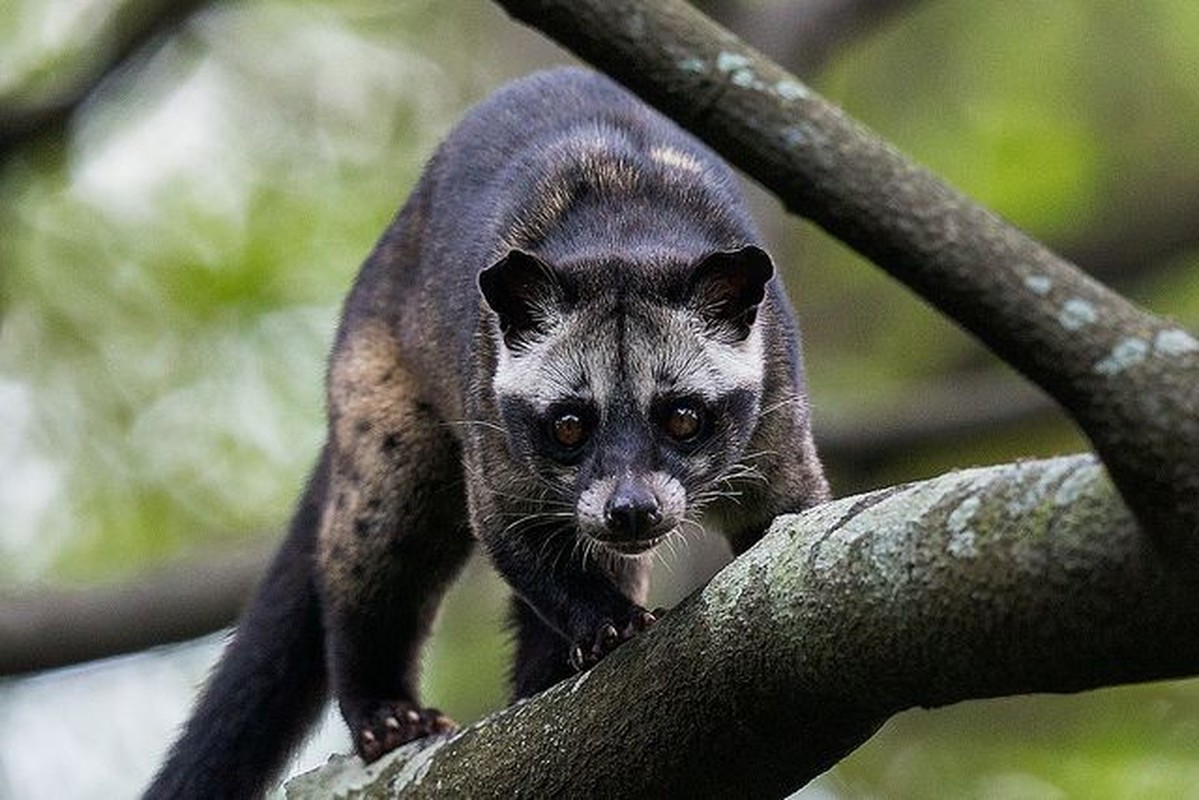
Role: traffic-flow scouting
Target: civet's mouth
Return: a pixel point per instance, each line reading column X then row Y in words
column 631, row 547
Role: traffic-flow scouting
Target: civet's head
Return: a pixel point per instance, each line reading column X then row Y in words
column 629, row 390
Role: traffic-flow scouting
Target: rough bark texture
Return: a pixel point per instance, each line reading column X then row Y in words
column 1020, row 578
column 1129, row 379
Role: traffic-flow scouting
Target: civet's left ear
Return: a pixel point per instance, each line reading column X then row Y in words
column 726, row 288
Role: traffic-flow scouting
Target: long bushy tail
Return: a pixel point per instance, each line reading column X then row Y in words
column 268, row 686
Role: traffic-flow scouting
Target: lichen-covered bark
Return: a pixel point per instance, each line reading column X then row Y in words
column 1129, row 379
column 1028, row 577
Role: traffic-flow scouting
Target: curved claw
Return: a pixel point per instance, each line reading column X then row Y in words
column 395, row 723
column 608, row 636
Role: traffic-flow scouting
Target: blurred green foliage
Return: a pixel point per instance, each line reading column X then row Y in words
column 1130, row 742
column 171, row 267
column 172, row 274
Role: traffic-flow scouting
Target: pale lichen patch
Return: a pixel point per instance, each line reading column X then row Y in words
column 347, row 776
column 791, row 90
column 418, row 763
column 341, row 776
column 899, row 513
column 693, row 64
column 795, row 135
column 961, row 536
column 730, row 584
column 746, row 79
column 769, row 566
column 1038, row 284
column 737, row 67
column 1050, row 475
column 1174, row 342
column 831, row 549
column 727, row 62
column 1074, row 485
column 810, row 138
column 1128, row 352
column 1076, row 313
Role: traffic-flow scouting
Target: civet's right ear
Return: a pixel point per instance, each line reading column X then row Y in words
column 525, row 294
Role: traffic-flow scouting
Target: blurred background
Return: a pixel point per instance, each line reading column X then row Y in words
column 187, row 189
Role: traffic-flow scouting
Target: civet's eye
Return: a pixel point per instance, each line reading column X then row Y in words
column 683, row 422
column 568, row 429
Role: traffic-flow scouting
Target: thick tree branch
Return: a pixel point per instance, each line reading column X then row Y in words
column 1129, row 379
column 56, row 628
column 1029, row 577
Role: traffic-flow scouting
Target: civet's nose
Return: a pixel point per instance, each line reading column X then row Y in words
column 632, row 511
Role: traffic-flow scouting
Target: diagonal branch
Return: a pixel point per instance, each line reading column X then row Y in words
column 1021, row 578
column 1129, row 379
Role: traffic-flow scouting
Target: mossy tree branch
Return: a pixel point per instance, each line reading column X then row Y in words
column 1129, row 379
column 1028, row 577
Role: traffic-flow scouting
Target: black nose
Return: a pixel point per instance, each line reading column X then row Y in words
column 632, row 510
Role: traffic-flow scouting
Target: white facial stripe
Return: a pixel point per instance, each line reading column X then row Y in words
column 664, row 352
column 567, row 364
column 529, row 374
column 688, row 361
column 739, row 364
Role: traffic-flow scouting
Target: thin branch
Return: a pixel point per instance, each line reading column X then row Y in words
column 136, row 26
column 1139, row 239
column 57, row 628
column 940, row 413
column 1129, row 379
column 1028, row 577
column 805, row 36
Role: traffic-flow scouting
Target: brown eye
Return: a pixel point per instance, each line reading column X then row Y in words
column 569, row 430
column 683, row 423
